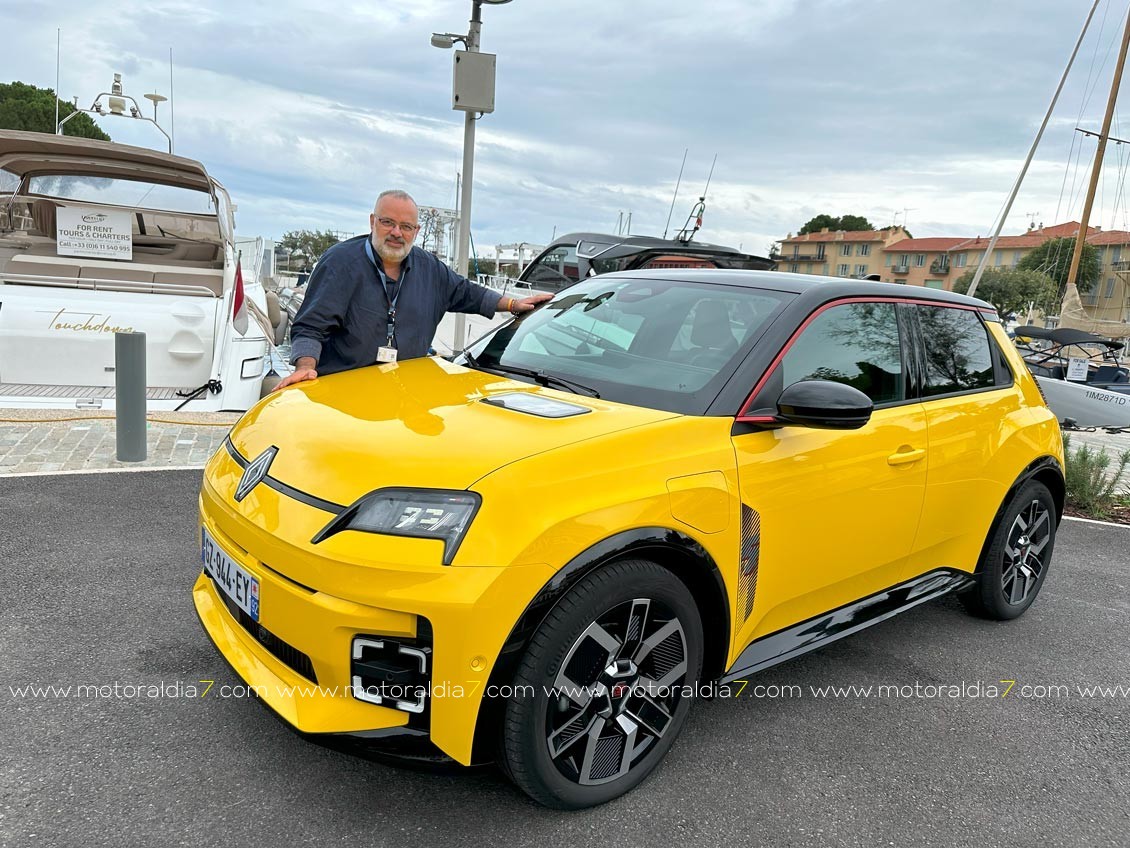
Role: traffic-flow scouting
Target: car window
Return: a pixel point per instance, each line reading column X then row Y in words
column 555, row 269
column 958, row 357
column 665, row 344
column 853, row 343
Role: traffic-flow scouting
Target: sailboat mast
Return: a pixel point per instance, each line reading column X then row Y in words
column 1116, row 83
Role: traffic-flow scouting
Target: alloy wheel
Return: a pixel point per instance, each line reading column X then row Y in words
column 617, row 691
column 1024, row 560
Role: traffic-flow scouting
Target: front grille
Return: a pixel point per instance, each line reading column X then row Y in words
column 285, row 653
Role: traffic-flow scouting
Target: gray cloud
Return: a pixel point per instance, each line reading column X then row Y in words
column 306, row 110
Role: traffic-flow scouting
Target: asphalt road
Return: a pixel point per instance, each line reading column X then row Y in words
column 95, row 574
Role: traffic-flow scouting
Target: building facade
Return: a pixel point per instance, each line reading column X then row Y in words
column 939, row 262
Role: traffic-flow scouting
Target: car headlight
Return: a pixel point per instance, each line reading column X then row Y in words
column 423, row 513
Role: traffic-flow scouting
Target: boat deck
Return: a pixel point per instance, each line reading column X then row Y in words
column 32, row 390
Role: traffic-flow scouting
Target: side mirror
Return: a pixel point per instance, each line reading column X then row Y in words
column 824, row 405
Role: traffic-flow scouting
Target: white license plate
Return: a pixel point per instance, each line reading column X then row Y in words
column 235, row 582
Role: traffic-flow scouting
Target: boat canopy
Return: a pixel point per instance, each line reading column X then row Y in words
column 1066, row 336
column 29, row 153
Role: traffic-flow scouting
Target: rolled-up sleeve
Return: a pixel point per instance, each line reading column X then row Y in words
column 322, row 312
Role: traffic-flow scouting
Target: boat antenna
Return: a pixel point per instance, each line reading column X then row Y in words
column 687, row 233
column 1081, row 238
column 1031, row 153
column 677, row 182
column 172, row 114
column 58, row 53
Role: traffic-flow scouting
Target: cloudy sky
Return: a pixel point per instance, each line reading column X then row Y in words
column 893, row 109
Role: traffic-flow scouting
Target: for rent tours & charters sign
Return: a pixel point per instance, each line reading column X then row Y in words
column 88, row 231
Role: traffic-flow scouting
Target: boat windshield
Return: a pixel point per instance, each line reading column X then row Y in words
column 664, row 344
column 115, row 191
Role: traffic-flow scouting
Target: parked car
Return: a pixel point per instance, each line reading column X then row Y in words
column 660, row 480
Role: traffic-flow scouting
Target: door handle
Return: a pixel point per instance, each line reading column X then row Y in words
column 906, row 456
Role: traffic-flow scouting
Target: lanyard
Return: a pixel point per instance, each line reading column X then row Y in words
column 391, row 327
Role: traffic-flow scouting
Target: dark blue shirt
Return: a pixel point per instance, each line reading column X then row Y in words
column 343, row 319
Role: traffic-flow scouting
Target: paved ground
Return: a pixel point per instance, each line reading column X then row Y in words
column 96, row 577
column 37, row 441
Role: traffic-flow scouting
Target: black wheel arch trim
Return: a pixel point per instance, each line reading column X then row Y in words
column 691, row 560
column 1046, row 468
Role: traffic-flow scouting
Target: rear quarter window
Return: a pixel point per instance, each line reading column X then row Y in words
column 959, row 356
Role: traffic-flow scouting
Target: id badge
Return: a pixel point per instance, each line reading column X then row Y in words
column 386, row 354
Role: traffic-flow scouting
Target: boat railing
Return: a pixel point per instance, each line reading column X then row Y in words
column 96, row 284
column 504, row 285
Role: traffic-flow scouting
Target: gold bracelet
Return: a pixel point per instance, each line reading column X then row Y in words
column 510, row 305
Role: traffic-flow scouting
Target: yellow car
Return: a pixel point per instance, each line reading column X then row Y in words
column 656, row 485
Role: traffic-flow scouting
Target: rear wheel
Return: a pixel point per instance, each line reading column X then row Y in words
column 604, row 687
column 1015, row 564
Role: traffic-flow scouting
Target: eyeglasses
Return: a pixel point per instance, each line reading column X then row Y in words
column 389, row 223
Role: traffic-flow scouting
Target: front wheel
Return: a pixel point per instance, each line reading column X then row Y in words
column 1015, row 564
column 604, row 687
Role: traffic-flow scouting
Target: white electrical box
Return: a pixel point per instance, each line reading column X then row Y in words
column 473, row 86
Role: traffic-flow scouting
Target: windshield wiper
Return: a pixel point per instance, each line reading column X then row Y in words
column 539, row 377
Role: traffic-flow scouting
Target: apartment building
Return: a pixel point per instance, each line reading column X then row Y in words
column 939, row 262
column 837, row 253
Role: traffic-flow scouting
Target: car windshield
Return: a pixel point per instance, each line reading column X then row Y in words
column 114, row 191
column 664, row 344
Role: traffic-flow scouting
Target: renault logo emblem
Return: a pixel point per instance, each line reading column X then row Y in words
column 254, row 473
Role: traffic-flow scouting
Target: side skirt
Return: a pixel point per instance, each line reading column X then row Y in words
column 816, row 632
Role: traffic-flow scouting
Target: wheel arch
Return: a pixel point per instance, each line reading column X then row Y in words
column 672, row 549
column 1046, row 470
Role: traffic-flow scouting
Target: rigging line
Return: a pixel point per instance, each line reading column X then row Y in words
column 1031, row 153
column 1066, row 172
column 1092, row 77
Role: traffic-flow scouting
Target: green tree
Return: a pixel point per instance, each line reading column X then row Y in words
column 1010, row 289
column 850, row 223
column 1053, row 258
column 32, row 109
column 307, row 246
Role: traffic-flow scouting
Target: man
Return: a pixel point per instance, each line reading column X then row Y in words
column 376, row 298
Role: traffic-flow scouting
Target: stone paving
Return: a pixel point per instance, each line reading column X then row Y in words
column 45, row 441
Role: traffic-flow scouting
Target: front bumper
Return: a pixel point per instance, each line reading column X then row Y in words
column 469, row 611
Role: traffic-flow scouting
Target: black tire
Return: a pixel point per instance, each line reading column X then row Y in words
column 626, row 642
column 1015, row 563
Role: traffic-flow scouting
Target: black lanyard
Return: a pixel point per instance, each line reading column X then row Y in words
column 384, row 287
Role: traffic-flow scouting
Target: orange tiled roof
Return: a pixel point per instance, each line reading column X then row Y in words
column 1070, row 229
column 1109, row 237
column 924, row 245
column 839, row 235
column 1004, row 242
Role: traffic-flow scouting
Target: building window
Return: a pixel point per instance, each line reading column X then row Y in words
column 796, row 250
column 935, row 284
column 844, row 270
column 887, row 260
column 959, row 260
column 861, row 270
column 1109, row 287
column 845, row 250
column 1116, row 254
column 820, row 252
column 1016, row 257
column 998, row 258
column 864, row 250
column 794, row 267
column 919, row 260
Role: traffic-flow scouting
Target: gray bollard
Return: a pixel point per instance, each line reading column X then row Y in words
column 129, row 380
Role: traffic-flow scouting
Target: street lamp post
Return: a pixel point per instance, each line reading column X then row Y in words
column 472, row 92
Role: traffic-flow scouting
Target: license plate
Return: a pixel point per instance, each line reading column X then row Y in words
column 235, row 582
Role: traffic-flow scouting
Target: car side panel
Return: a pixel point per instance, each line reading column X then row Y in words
column 836, row 515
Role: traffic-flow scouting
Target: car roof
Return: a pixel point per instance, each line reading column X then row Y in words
column 826, row 288
column 646, row 243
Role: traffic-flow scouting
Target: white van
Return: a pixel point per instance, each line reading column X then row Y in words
column 97, row 237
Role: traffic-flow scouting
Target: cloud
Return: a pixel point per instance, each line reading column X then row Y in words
column 305, row 113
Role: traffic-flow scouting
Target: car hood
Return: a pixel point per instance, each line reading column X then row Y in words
column 422, row 422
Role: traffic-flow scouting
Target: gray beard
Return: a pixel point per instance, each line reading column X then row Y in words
column 392, row 254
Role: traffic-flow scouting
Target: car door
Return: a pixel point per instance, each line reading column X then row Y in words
column 973, row 412
column 833, row 513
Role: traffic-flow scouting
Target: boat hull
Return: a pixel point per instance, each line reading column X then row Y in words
column 1089, row 406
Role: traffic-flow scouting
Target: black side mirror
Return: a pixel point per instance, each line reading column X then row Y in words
column 824, row 405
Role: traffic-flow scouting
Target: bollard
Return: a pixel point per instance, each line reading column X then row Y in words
column 129, row 405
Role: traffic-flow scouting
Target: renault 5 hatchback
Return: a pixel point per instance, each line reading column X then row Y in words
column 542, row 552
